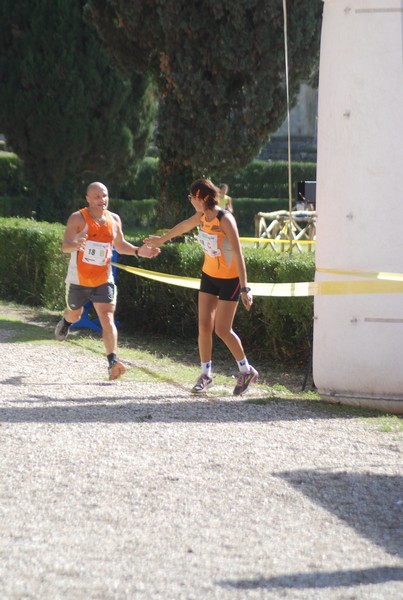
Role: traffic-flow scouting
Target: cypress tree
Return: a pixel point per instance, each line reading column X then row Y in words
column 220, row 70
column 64, row 108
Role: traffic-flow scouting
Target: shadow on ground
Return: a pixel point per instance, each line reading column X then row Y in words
column 355, row 499
column 320, row 579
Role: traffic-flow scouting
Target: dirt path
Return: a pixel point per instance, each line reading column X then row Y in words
column 137, row 490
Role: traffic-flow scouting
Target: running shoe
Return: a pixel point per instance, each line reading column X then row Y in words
column 203, row 383
column 61, row 330
column 244, row 380
column 116, row 370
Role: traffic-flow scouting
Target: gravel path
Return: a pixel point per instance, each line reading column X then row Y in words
column 133, row 490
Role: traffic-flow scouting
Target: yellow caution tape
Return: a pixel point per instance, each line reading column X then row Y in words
column 188, row 282
column 389, row 283
column 361, row 273
column 322, row 288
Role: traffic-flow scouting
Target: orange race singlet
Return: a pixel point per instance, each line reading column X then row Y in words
column 218, row 256
column 92, row 267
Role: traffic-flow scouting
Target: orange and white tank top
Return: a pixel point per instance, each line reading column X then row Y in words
column 218, row 255
column 91, row 267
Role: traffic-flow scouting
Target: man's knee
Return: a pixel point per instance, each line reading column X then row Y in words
column 106, row 316
column 72, row 316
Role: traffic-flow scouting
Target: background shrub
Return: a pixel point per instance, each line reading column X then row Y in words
column 12, row 180
column 277, row 329
column 32, row 266
column 260, row 187
column 33, row 269
column 135, row 214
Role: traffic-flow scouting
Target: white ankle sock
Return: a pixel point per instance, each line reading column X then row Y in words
column 206, row 368
column 243, row 365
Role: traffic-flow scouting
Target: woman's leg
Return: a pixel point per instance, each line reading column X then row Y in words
column 224, row 317
column 207, row 310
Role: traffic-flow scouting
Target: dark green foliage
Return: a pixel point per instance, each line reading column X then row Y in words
column 281, row 328
column 32, row 266
column 245, row 210
column 12, row 180
column 259, row 187
column 136, row 214
column 261, row 179
column 33, row 269
column 277, row 329
column 17, row 206
column 143, row 185
column 65, row 110
column 149, row 306
column 219, row 67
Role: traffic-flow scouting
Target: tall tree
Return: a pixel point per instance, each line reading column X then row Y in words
column 65, row 109
column 220, row 70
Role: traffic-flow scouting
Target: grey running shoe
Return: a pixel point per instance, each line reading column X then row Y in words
column 202, row 384
column 116, row 370
column 244, row 380
column 61, row 330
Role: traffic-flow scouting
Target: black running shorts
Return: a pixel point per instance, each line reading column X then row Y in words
column 225, row 289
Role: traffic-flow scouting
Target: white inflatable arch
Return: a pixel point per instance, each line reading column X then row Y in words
column 358, row 339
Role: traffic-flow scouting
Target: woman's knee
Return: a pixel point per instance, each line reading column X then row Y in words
column 222, row 332
column 205, row 328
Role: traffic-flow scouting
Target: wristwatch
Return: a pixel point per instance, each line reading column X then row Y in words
column 244, row 289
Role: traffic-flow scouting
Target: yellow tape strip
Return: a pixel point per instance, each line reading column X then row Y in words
column 298, row 289
column 188, row 282
column 384, row 275
column 325, row 288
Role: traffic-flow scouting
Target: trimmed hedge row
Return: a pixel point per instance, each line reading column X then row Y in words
column 261, row 186
column 12, row 181
column 33, row 268
column 137, row 214
column 277, row 329
column 262, row 179
column 259, row 179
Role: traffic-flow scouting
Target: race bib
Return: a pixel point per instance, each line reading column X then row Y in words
column 96, row 253
column 209, row 243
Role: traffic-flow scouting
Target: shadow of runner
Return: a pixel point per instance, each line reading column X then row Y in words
column 321, row 579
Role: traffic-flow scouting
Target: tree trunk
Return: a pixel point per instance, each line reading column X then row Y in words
column 174, row 183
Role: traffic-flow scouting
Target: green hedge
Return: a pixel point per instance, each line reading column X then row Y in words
column 263, row 179
column 277, row 329
column 17, row 206
column 135, row 213
column 144, row 185
column 12, row 181
column 259, row 179
column 33, row 268
column 260, row 187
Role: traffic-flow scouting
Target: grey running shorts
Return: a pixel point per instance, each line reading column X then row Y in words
column 78, row 295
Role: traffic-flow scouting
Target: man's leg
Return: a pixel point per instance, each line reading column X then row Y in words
column 75, row 296
column 106, row 315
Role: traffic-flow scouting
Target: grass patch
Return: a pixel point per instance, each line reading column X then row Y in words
column 387, row 423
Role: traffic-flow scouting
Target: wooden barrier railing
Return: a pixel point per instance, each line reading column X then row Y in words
column 296, row 229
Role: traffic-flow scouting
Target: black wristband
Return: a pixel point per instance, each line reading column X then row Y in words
column 245, row 289
column 136, row 252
